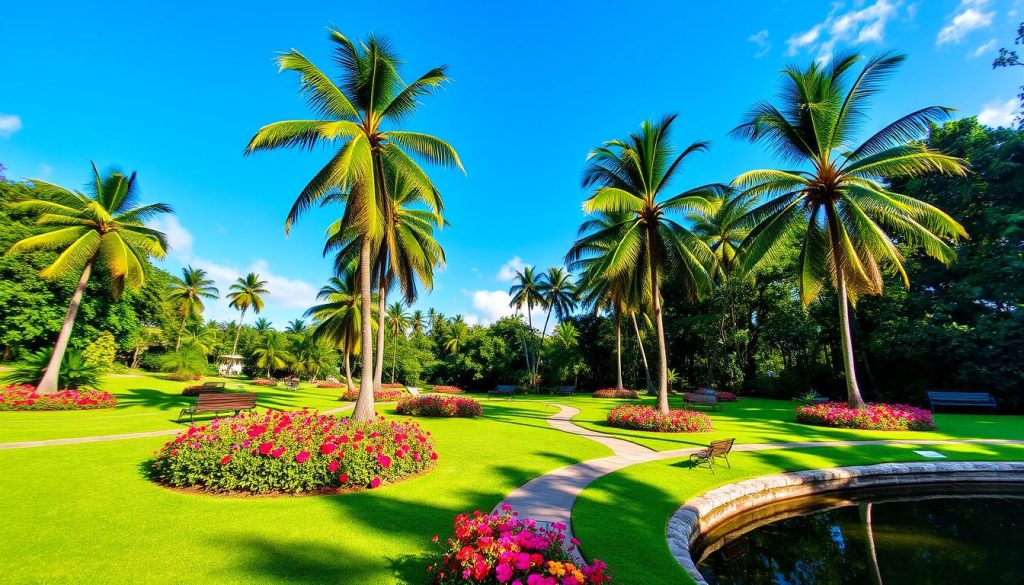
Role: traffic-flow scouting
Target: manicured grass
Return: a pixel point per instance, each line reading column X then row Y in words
column 87, row 513
column 622, row 517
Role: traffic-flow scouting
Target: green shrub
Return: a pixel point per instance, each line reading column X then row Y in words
column 101, row 351
column 74, row 372
column 186, row 361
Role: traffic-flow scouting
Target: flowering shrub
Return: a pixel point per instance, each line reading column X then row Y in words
column 647, row 418
column 182, row 376
column 196, row 390
column 615, row 393
column 293, row 452
column 432, row 405
column 448, row 390
column 263, row 382
column 873, row 417
column 378, row 396
column 23, row 397
column 330, row 385
column 726, row 397
column 504, row 548
column 393, row 385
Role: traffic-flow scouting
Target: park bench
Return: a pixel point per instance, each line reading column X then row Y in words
column 703, row 400
column 219, row 402
column 972, row 399
column 716, row 449
column 564, row 391
column 414, row 391
column 504, row 390
column 291, row 383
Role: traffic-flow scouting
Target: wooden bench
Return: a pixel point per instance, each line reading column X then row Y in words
column 972, row 399
column 703, row 400
column 564, row 391
column 716, row 449
column 213, row 386
column 504, row 390
column 291, row 383
column 219, row 402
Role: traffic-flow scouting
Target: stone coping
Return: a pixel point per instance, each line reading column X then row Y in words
column 698, row 515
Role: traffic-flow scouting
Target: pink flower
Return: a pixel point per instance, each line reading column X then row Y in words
column 375, row 483
column 384, row 461
column 503, row 572
column 302, row 457
column 266, row 448
column 276, row 453
column 333, row 466
column 343, row 478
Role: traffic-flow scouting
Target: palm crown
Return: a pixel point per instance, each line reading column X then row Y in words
column 189, row 291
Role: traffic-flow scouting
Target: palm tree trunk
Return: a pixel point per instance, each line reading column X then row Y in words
column 660, row 326
column 529, row 321
column 643, row 352
column 394, row 359
column 543, row 334
column 177, row 347
column 378, row 372
column 853, row 397
column 48, row 385
column 348, row 371
column 618, row 349
column 238, row 331
column 526, row 350
column 865, row 516
column 364, row 404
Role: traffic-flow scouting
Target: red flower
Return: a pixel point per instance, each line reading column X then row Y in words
column 343, row 478
column 327, row 448
column 384, row 460
column 333, row 466
column 266, row 448
column 225, row 460
column 302, row 456
column 375, row 483
column 276, row 453
column 433, row 455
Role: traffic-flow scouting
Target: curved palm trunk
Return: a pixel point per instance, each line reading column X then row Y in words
column 853, row 397
column 394, row 359
column 238, row 331
column 529, row 321
column 177, row 346
column 48, row 385
column 543, row 335
column 348, row 371
column 618, row 350
column 378, row 372
column 865, row 517
column 526, row 350
column 364, row 404
column 643, row 352
column 660, row 326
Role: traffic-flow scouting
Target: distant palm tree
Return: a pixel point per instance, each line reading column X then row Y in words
column 526, row 293
column 262, row 325
column 272, row 354
column 203, row 339
column 339, row 318
column 722, row 228
column 558, row 292
column 353, row 115
column 187, row 294
column 842, row 209
column 312, row 356
column 417, row 322
column 397, row 322
column 246, row 292
column 105, row 227
column 632, row 176
column 296, row 326
column 458, row 336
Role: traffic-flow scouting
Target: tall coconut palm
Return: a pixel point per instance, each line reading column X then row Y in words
column 272, row 353
column 417, row 322
column 295, row 326
column 339, row 318
column 632, row 176
column 722, row 228
column 104, row 227
column 840, row 207
column 187, row 294
column 397, row 321
column 354, row 116
column 262, row 325
column 526, row 293
column 558, row 291
column 246, row 293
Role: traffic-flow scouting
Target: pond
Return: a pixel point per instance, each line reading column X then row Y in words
column 951, row 533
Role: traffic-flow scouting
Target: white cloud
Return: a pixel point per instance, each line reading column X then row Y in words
column 508, row 270
column 997, row 114
column 760, row 39
column 969, row 17
column 866, row 25
column 984, row 48
column 491, row 305
column 179, row 239
column 9, row 124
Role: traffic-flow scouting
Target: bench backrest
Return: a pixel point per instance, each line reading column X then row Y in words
column 702, row 399
column 961, row 397
column 213, row 384
column 230, row 401
column 717, row 448
column 505, row 388
column 706, row 391
column 565, row 389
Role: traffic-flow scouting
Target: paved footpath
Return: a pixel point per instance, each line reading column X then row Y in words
column 550, row 497
column 120, row 437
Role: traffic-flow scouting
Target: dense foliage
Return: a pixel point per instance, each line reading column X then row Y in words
column 873, row 417
column 616, row 393
column 293, row 452
column 378, row 396
column 23, row 397
column 646, row 418
column 75, row 371
column 434, row 405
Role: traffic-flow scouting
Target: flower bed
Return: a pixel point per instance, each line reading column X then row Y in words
column 720, row 396
column 430, row 405
column 292, row 452
column 873, row 417
column 330, row 385
column 182, row 377
column 503, row 548
column 646, row 418
column 19, row 397
column 263, row 382
column 378, row 396
column 448, row 390
column 393, row 385
column 196, row 390
column 615, row 393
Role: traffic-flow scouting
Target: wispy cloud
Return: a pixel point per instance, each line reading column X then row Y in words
column 508, row 270
column 969, row 16
column 988, row 47
column 179, row 239
column 998, row 113
column 760, row 39
column 491, row 305
column 864, row 25
column 9, row 124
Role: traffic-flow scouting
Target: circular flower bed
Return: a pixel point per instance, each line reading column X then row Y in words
column 615, row 393
column 502, row 548
column 263, row 382
column 293, row 452
column 646, row 418
column 26, row 398
column 720, row 396
column 448, row 390
column 182, row 377
column 378, row 396
column 873, row 417
column 393, row 385
column 429, row 405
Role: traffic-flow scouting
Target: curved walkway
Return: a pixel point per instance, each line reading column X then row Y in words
column 550, row 497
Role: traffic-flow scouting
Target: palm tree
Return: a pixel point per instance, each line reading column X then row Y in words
column 312, row 356
column 246, row 292
column 558, row 292
column 353, row 116
column 841, row 208
column 722, row 228
column 417, row 322
column 105, row 227
column 272, row 354
column 201, row 338
column 526, row 292
column 397, row 322
column 262, row 326
column 458, row 336
column 631, row 176
column 188, row 292
column 296, row 326
column 339, row 318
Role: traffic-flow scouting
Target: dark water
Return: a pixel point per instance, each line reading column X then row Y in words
column 875, row 537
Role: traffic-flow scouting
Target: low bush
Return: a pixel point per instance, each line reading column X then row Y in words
column 501, row 547
column 75, row 372
column 430, row 405
column 292, row 452
column 873, row 417
column 647, row 418
column 330, row 385
column 182, row 377
column 378, row 396
column 393, row 385
column 22, row 397
column 615, row 393
column 448, row 390
column 198, row 389
column 263, row 382
column 726, row 397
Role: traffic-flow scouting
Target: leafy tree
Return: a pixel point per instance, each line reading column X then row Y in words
column 296, row 326
column 245, row 293
column 563, row 353
column 313, row 357
column 187, row 294
column 271, row 354
column 842, row 208
column 1009, row 58
column 339, row 318
column 526, row 293
column 417, row 322
column 370, row 95
column 723, row 230
column 558, row 292
column 397, row 321
column 188, row 361
column 102, row 351
column 104, row 227
column 262, row 325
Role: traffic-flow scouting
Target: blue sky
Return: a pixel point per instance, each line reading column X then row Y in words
column 175, row 90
